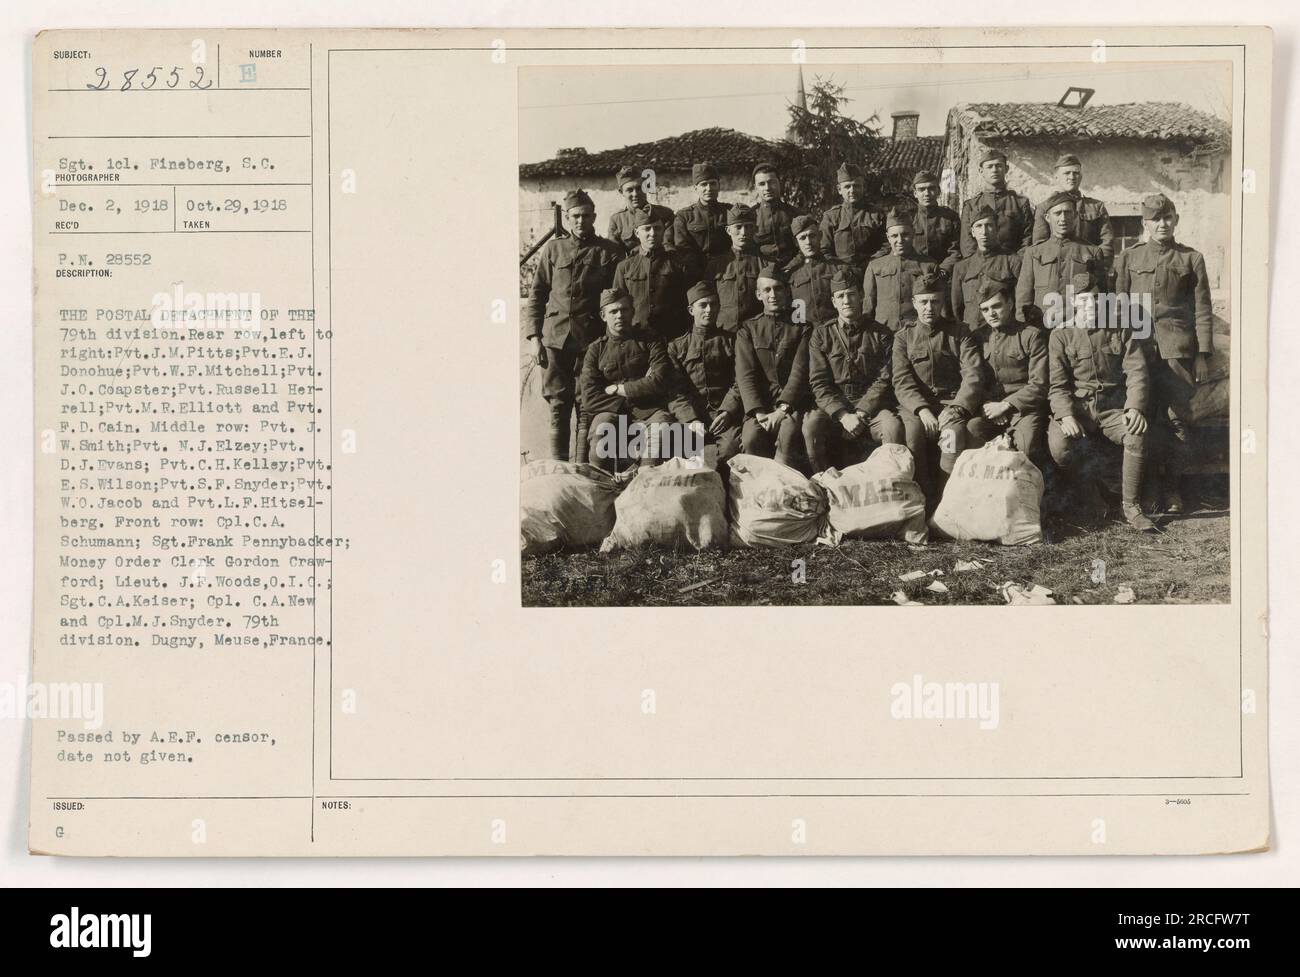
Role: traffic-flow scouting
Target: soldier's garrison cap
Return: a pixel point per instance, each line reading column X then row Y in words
column 924, row 176
column 991, row 154
column 842, row 280
column 703, row 171
column 612, row 296
column 645, row 216
column 701, row 290
column 767, row 166
column 848, row 172
column 985, row 213
column 991, row 287
column 928, row 282
column 1067, row 159
column 629, row 174
column 1157, row 205
column 1060, row 197
column 577, row 198
column 1084, row 281
column 899, row 217
column 773, row 271
column 802, row 223
column 741, row 214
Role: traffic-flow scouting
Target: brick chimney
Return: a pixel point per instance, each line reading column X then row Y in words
column 905, row 124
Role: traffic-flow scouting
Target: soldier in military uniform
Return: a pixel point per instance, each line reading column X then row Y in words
column 1015, row 375
column 1098, row 392
column 772, row 374
column 850, row 370
column 705, row 393
column 887, row 282
column 1174, row 277
column 936, row 230
column 810, row 274
column 736, row 271
column 1050, row 266
column 985, row 262
column 1091, row 221
column 772, row 235
column 936, row 372
column 852, row 231
column 562, row 314
column 700, row 230
column 655, row 281
column 625, row 375
column 622, row 225
column 1015, row 214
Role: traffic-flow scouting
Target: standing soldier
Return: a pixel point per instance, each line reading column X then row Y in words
column 936, row 230
column 936, row 373
column 1050, row 266
column 699, row 231
column 887, row 282
column 654, row 280
column 736, row 271
column 562, row 314
column 705, row 364
column 1099, row 389
column 1015, row 375
column 1015, row 215
column 851, row 230
column 627, row 375
column 622, row 225
column 1173, row 276
column 985, row 262
column 850, row 369
column 773, row 237
column 772, row 374
column 1091, row 221
column 810, row 274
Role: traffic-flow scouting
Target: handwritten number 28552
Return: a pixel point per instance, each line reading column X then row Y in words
column 169, row 80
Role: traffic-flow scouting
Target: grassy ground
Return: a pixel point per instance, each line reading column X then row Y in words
column 1188, row 562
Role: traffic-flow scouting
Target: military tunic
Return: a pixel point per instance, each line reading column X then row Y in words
column 1092, row 225
column 936, row 235
column 1015, row 220
column 736, row 276
column 966, row 277
column 622, row 227
column 700, row 233
column 887, row 288
column 772, row 234
column 657, row 285
column 853, row 233
column 810, row 283
column 1049, row 267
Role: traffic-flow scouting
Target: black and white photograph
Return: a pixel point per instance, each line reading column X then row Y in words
column 942, row 334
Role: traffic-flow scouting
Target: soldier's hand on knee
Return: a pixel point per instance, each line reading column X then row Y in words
column 1071, row 428
column 951, row 415
column 1134, row 421
column 719, row 424
column 996, row 409
column 928, row 420
column 853, row 424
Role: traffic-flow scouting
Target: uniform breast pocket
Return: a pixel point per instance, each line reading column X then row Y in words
column 766, row 357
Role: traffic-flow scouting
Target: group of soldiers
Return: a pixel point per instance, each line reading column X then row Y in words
column 765, row 330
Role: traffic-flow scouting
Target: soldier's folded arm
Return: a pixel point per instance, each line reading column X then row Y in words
column 592, row 382
column 654, row 387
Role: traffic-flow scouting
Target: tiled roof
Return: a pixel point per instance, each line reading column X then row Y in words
column 727, row 148
column 1135, row 120
column 903, row 159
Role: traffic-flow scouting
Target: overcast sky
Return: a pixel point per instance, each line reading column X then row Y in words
column 608, row 107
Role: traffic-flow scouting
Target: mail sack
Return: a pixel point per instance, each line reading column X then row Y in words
column 994, row 494
column 876, row 499
column 678, row 503
column 771, row 504
column 563, row 503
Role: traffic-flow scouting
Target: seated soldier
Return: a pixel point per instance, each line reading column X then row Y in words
column 772, row 374
column 626, row 381
column 937, row 370
column 1099, row 390
column 850, row 371
column 705, row 383
column 1015, row 375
